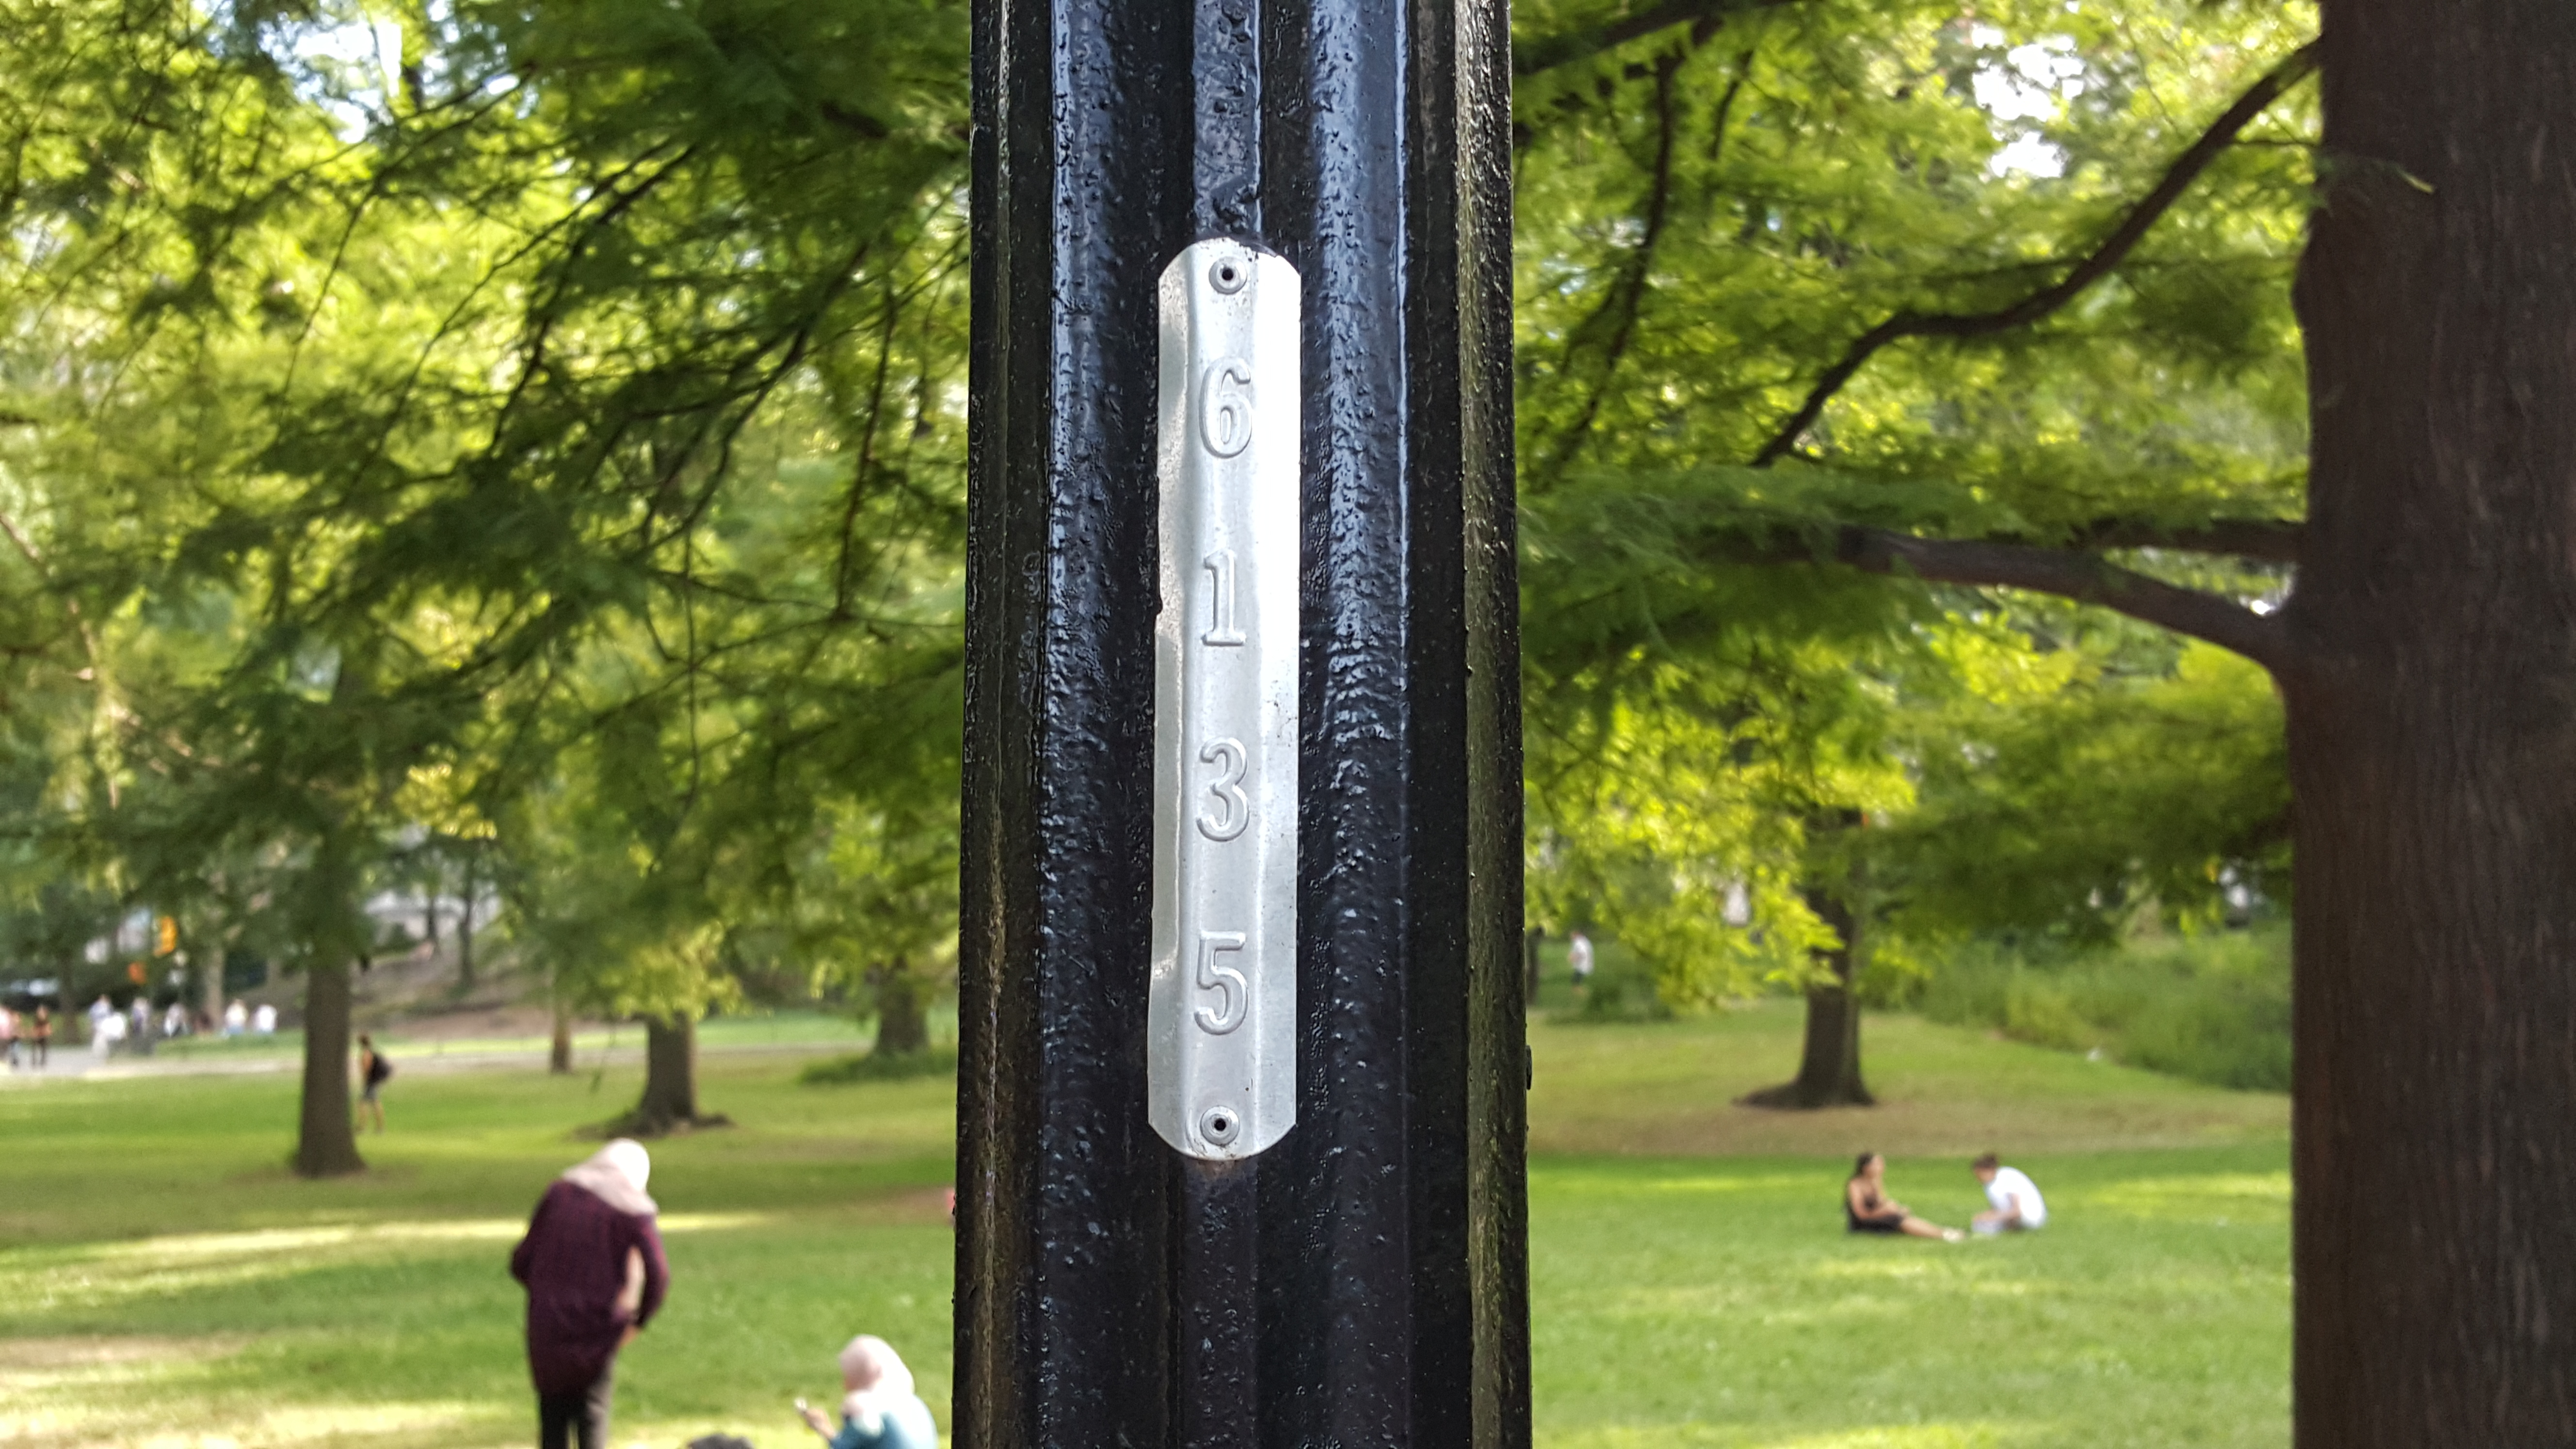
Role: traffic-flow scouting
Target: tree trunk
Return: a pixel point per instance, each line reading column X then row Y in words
column 670, row 1100
column 328, row 1144
column 559, row 1051
column 210, row 982
column 1829, row 1063
column 903, row 1011
column 429, row 907
column 465, row 934
column 2432, row 730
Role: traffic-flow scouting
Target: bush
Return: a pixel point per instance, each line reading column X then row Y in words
column 2214, row 1008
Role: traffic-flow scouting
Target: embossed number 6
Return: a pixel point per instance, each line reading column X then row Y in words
column 1225, row 406
column 1212, row 977
column 1233, row 808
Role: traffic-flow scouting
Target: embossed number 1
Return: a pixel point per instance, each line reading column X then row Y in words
column 1222, row 629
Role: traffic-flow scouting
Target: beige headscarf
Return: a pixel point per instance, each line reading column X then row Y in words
column 876, row 1378
column 616, row 1174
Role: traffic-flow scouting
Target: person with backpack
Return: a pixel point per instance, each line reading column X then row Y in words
column 373, row 1072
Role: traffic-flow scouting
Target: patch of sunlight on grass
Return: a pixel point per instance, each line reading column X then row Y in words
column 114, row 1273
column 1774, row 1182
column 1977, row 1435
column 2251, row 1195
column 407, row 1422
column 1912, row 1436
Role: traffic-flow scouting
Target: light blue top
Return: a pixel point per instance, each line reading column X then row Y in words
column 906, row 1425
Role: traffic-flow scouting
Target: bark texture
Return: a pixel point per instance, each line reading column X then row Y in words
column 210, row 983
column 2432, row 707
column 670, row 1101
column 327, row 1145
column 559, row 1051
column 465, row 932
column 1829, row 1062
column 903, row 1011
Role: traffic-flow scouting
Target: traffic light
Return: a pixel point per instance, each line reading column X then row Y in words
column 167, row 939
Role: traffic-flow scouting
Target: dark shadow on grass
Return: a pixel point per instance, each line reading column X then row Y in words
column 871, row 1067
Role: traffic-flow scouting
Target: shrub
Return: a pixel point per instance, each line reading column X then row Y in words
column 2214, row 1008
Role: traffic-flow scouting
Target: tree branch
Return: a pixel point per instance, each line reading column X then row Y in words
column 2105, row 256
column 1542, row 55
column 2263, row 539
column 2076, row 576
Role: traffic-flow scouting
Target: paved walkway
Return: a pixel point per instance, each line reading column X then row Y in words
column 77, row 1065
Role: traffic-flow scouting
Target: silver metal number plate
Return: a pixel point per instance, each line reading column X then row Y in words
column 1221, row 1065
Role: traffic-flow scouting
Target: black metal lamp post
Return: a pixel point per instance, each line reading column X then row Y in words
column 1132, row 1270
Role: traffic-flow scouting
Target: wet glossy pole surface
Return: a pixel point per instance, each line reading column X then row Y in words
column 1362, row 1282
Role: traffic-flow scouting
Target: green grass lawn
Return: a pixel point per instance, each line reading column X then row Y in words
column 164, row 1282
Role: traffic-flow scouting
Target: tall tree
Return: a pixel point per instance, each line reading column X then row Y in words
column 2429, row 660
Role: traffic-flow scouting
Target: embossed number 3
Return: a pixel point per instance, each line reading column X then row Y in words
column 1225, row 406
column 1233, row 809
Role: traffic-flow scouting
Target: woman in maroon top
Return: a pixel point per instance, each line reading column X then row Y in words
column 595, row 1274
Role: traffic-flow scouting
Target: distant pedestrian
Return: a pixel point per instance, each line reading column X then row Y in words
column 141, row 1033
column 236, row 1019
column 174, row 1022
column 9, row 1035
column 592, row 1262
column 40, row 1034
column 373, row 1072
column 1578, row 956
column 98, row 1013
column 263, row 1022
column 105, row 1033
column 2015, row 1205
column 879, row 1409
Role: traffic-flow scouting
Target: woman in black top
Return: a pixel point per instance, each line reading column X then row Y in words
column 1868, row 1209
column 373, row 1070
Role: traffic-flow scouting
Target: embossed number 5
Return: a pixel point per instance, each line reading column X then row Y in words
column 1233, row 808
column 1212, row 977
column 1225, row 406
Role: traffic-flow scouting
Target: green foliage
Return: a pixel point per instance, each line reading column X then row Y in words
column 535, row 431
column 2059, row 795
column 1715, row 221
column 2213, row 1007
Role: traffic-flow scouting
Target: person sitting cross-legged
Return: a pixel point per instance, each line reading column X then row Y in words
column 1868, row 1209
column 2015, row 1203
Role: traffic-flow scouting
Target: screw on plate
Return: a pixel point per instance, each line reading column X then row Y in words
column 1228, row 275
column 1218, row 1125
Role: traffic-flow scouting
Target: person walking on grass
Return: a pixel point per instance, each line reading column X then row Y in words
column 880, row 1410
column 1868, row 1209
column 1578, row 959
column 9, row 1035
column 373, row 1072
column 40, row 1034
column 593, row 1266
column 2015, row 1203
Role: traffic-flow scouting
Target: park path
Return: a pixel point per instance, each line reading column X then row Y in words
column 77, row 1065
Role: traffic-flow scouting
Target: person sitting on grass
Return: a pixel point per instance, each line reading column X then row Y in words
column 1868, row 1209
column 881, row 1410
column 2017, row 1205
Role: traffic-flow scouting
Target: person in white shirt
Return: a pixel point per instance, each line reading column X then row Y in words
column 1578, row 957
column 2017, row 1205
column 263, row 1022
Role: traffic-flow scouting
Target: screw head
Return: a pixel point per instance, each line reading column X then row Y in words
column 1219, row 1126
column 1228, row 274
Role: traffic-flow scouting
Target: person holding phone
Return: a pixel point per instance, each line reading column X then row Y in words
column 879, row 1409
